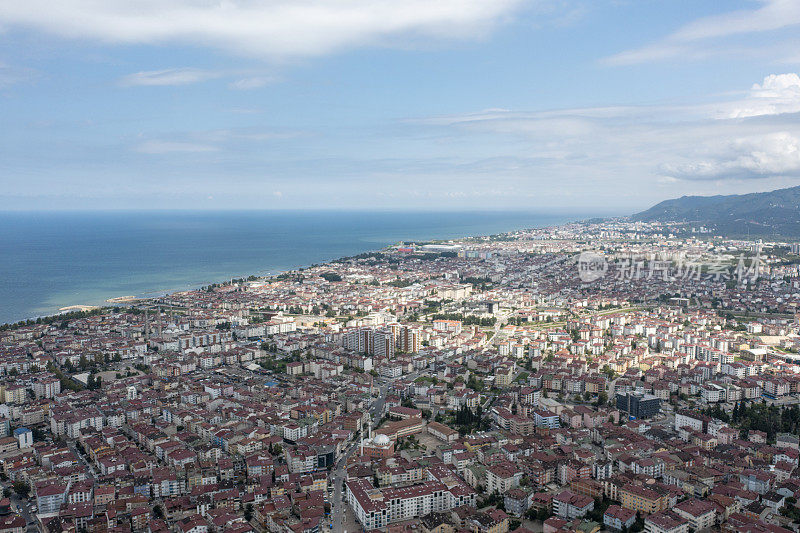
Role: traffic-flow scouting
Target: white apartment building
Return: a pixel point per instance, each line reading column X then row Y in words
column 377, row 507
column 300, row 460
column 501, row 479
column 570, row 505
column 47, row 388
column 665, row 522
column 701, row 514
column 71, row 423
column 383, row 343
column 366, row 340
column 695, row 422
column 546, row 419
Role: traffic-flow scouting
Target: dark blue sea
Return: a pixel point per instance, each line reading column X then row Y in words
column 57, row 259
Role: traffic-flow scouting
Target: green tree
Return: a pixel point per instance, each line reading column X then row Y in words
column 475, row 384
column 21, row 488
column 602, row 398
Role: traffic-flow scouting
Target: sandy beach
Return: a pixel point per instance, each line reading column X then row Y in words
column 77, row 308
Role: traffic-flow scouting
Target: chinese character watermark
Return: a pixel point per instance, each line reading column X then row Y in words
column 593, row 266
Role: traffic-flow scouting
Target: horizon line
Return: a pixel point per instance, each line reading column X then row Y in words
column 520, row 210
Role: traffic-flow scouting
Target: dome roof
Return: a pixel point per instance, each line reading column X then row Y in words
column 381, row 440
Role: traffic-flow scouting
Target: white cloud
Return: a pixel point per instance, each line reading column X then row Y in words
column 777, row 94
column 246, row 80
column 255, row 82
column 772, row 15
column 166, row 147
column 647, row 54
column 701, row 38
column 754, row 137
column 272, row 29
column 778, row 86
column 172, row 76
column 775, row 154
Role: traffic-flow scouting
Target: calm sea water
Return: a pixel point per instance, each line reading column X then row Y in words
column 53, row 260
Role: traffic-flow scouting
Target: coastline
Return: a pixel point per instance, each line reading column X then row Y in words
column 127, row 300
column 121, row 299
column 78, row 307
column 82, row 265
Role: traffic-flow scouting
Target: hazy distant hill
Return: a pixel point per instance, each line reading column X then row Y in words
column 774, row 213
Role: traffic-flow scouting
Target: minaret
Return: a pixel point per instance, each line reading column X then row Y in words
column 369, row 434
column 159, row 322
column 146, row 326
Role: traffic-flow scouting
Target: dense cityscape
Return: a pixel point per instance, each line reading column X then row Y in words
column 419, row 266
column 609, row 376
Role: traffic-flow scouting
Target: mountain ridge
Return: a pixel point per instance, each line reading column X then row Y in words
column 775, row 213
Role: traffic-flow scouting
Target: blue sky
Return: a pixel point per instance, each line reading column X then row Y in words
column 603, row 106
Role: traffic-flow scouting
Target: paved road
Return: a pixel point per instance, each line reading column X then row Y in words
column 338, row 474
column 92, row 472
column 337, row 502
column 376, row 411
column 496, row 336
column 338, row 488
column 610, row 385
column 21, row 506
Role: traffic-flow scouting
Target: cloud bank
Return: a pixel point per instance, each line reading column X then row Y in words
column 706, row 37
column 268, row 29
column 762, row 156
column 754, row 137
